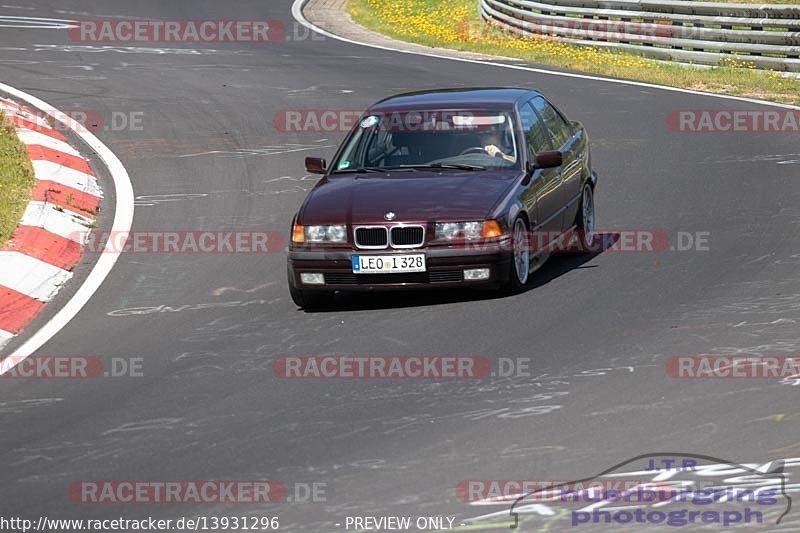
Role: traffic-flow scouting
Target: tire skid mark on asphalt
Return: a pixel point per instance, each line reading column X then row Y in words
column 159, row 199
column 155, row 424
column 78, row 49
column 95, row 15
column 16, row 407
column 199, row 145
column 150, row 200
column 306, row 177
column 34, row 23
column 176, row 308
column 264, row 150
column 222, row 290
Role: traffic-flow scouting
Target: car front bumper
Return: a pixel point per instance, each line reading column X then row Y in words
column 445, row 267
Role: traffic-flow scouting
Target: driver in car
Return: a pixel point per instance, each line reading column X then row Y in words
column 490, row 139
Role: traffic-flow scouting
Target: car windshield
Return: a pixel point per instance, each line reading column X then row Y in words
column 463, row 140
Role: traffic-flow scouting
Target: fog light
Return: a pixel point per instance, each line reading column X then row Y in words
column 308, row 278
column 476, row 274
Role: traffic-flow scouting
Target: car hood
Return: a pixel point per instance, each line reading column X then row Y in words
column 412, row 196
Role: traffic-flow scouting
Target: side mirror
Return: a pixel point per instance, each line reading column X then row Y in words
column 316, row 165
column 550, row 159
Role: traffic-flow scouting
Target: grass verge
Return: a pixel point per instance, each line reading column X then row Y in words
column 457, row 24
column 16, row 179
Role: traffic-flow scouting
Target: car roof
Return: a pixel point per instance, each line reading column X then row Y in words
column 470, row 98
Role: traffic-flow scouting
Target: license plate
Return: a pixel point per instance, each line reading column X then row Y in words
column 381, row 264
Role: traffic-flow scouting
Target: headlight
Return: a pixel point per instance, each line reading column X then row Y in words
column 459, row 230
column 326, row 233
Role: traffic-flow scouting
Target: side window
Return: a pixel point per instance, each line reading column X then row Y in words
column 535, row 135
column 553, row 121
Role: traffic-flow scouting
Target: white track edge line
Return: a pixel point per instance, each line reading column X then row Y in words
column 123, row 219
column 297, row 13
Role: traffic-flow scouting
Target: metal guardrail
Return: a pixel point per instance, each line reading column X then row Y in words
column 704, row 33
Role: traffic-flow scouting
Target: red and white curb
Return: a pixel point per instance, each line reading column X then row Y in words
column 48, row 242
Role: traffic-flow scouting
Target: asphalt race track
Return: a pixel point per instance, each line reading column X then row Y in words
column 597, row 329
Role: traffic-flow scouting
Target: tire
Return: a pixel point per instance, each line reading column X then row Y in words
column 309, row 299
column 519, row 269
column 585, row 221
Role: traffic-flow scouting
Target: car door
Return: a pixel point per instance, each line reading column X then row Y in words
column 566, row 139
column 545, row 183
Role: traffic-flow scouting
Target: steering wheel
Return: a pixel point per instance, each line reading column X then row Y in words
column 473, row 149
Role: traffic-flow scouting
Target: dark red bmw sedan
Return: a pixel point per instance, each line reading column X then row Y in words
column 440, row 189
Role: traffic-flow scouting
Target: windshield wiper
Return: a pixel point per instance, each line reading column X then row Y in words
column 360, row 170
column 447, row 166
column 364, row 170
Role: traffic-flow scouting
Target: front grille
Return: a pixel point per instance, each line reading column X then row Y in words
column 372, row 237
column 436, row 276
column 407, row 236
column 445, row 275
